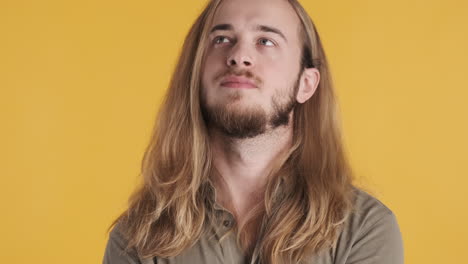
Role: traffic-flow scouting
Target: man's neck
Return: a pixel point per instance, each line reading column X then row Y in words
column 244, row 165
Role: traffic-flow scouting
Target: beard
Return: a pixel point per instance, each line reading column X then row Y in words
column 250, row 121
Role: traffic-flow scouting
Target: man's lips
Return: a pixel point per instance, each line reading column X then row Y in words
column 237, row 82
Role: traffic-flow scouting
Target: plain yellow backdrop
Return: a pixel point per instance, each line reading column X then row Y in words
column 80, row 83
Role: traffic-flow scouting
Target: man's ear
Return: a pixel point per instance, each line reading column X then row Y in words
column 308, row 83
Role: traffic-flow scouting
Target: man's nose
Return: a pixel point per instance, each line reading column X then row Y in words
column 240, row 57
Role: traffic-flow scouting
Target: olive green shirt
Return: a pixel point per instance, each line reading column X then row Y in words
column 371, row 235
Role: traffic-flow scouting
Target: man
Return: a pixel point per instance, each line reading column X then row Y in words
column 246, row 163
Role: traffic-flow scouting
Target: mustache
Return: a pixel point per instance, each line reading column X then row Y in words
column 245, row 73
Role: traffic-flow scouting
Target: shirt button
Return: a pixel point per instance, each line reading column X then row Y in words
column 227, row 223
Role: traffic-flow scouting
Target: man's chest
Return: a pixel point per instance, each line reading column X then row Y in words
column 224, row 251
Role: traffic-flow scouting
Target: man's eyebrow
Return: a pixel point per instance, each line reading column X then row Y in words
column 262, row 28
column 221, row 27
column 270, row 29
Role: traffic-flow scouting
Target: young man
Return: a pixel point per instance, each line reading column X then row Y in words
column 246, row 163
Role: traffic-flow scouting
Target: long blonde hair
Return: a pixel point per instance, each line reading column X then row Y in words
column 170, row 210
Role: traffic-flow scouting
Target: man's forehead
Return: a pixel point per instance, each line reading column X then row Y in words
column 240, row 13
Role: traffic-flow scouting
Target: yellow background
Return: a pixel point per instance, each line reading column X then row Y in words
column 80, row 83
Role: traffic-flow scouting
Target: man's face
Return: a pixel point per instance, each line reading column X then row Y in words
column 251, row 67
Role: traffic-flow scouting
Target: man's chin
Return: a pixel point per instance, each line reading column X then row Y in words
column 237, row 121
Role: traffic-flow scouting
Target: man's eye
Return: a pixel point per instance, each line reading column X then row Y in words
column 220, row 39
column 266, row 42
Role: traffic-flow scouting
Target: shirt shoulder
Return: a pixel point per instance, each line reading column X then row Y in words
column 116, row 251
column 368, row 210
column 370, row 235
